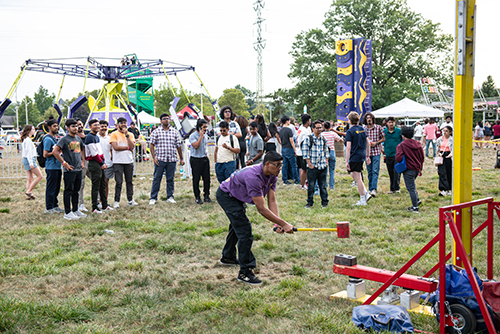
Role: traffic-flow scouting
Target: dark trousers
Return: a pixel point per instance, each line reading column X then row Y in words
column 410, row 176
column 72, row 184
column 394, row 176
column 98, row 184
column 240, row 161
column 317, row 175
column 270, row 147
column 200, row 167
column 445, row 172
column 128, row 170
column 53, row 188
column 240, row 231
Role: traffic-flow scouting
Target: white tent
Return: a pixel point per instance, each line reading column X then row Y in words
column 408, row 108
column 146, row 118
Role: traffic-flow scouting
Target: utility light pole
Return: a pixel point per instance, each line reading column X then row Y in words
column 259, row 45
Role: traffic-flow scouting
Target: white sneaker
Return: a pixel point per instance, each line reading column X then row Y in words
column 132, row 203
column 108, row 208
column 448, row 193
column 442, row 193
column 58, row 210
column 99, row 206
column 367, row 197
column 82, row 208
column 391, row 192
column 50, row 211
column 360, row 202
column 171, row 200
column 79, row 214
column 97, row 211
column 70, row 216
column 116, row 205
column 152, row 201
column 373, row 193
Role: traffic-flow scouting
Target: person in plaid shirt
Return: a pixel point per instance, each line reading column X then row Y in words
column 316, row 154
column 165, row 144
column 375, row 134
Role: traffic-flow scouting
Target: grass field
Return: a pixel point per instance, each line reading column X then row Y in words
column 159, row 272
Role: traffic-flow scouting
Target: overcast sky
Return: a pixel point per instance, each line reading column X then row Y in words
column 214, row 36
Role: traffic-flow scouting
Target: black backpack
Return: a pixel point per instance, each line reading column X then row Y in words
column 230, row 140
column 324, row 141
column 39, row 151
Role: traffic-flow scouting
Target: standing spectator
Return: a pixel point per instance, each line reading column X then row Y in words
column 134, row 130
column 95, row 157
column 315, row 153
column 273, row 139
column 106, row 151
column 413, row 153
column 138, row 139
column 447, row 122
column 304, row 131
column 255, row 145
column 227, row 114
column 249, row 185
column 331, row 138
column 85, row 170
column 123, row 144
column 226, row 147
column 29, row 161
column 200, row 164
column 419, row 130
column 375, row 134
column 288, row 152
column 71, row 147
column 496, row 133
column 392, row 140
column 487, row 134
column 243, row 123
column 445, row 146
column 479, row 134
column 52, row 169
column 356, row 153
column 430, row 137
column 262, row 129
column 165, row 144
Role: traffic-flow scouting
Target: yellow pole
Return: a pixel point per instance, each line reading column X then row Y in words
column 463, row 104
column 13, row 88
column 169, row 84
column 60, row 89
column 182, row 88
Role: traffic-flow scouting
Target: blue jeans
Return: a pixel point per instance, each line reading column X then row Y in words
column 373, row 170
column 427, row 144
column 331, row 169
column 289, row 169
column 169, row 169
column 317, row 175
column 224, row 170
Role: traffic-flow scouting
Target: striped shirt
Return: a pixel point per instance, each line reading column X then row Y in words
column 318, row 153
column 375, row 134
column 331, row 138
column 166, row 144
column 93, row 149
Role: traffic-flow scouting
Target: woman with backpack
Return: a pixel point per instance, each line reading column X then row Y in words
column 29, row 161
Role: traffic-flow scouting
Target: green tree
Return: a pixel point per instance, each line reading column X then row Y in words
column 488, row 87
column 34, row 116
column 163, row 98
column 43, row 100
column 249, row 97
column 405, row 48
column 236, row 99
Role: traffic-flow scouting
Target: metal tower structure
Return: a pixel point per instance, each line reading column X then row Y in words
column 259, row 45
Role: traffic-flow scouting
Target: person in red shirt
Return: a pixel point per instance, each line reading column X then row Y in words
column 496, row 133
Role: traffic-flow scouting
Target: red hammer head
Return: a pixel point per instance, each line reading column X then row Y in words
column 343, row 229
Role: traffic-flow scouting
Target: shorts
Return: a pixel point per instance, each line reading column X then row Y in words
column 301, row 163
column 26, row 164
column 356, row 166
column 496, row 137
column 108, row 173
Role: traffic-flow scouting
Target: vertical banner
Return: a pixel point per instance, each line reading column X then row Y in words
column 354, row 77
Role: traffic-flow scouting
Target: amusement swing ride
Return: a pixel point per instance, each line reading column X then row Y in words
column 135, row 75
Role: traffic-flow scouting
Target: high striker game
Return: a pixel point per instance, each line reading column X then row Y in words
column 354, row 77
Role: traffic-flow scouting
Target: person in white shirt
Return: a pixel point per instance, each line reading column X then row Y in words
column 106, row 151
column 419, row 130
column 447, row 122
column 304, row 131
column 29, row 161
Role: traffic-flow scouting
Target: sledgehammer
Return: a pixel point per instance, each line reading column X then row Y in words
column 342, row 229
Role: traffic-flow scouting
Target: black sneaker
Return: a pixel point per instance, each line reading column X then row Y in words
column 248, row 277
column 199, row 201
column 308, row 206
column 207, row 200
column 228, row 262
column 413, row 209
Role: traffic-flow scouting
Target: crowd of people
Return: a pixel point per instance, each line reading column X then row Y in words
column 249, row 156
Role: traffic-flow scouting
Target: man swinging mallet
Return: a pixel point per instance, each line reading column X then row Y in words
column 249, row 185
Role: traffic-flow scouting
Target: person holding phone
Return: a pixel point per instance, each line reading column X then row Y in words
column 200, row 164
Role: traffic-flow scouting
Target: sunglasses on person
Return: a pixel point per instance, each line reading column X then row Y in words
column 277, row 165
